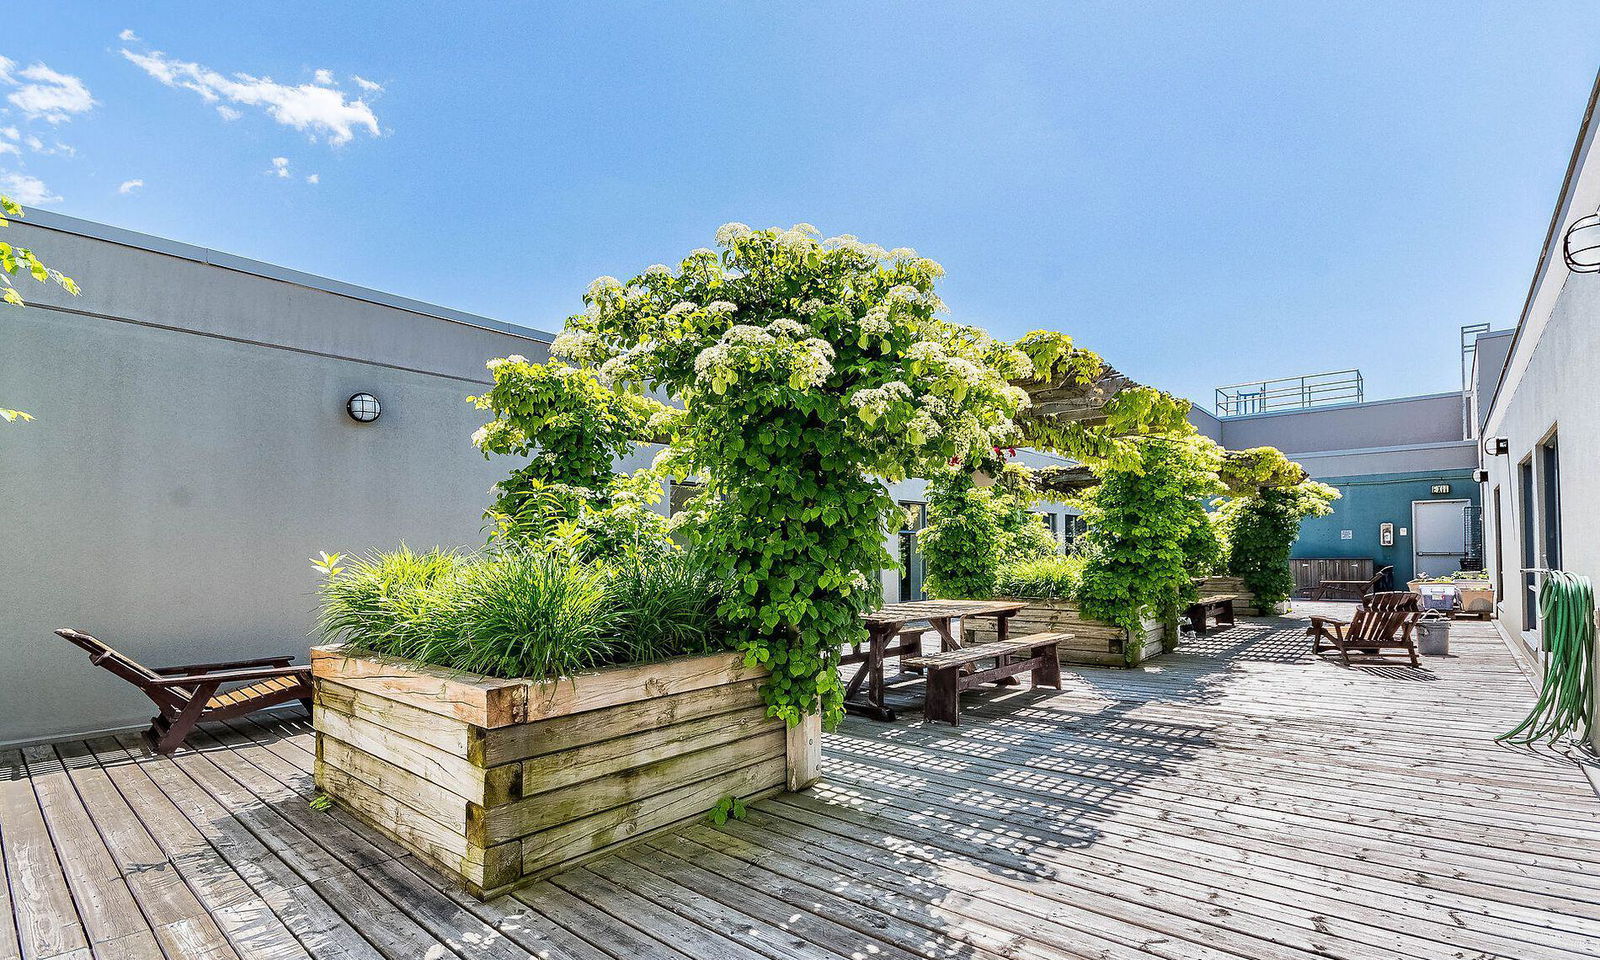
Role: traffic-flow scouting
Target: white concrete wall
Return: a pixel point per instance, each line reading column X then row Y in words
column 191, row 452
column 1551, row 382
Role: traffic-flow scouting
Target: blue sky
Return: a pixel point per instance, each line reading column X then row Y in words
column 1225, row 192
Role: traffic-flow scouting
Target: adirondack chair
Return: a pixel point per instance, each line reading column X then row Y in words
column 1361, row 588
column 188, row 694
column 1369, row 633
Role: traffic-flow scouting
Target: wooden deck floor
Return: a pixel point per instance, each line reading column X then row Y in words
column 1231, row 801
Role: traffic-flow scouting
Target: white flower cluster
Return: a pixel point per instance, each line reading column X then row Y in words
column 810, row 307
column 850, row 244
column 785, row 327
column 720, row 307
column 858, row 580
column 729, row 232
column 499, row 362
column 658, row 270
column 603, row 284
column 682, row 307
column 574, row 345
column 876, row 321
column 874, row 402
column 747, row 335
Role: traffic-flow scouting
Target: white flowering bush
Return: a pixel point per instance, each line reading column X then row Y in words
column 807, row 369
column 572, row 428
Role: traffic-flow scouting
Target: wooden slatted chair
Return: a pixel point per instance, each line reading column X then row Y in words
column 186, row 695
column 1369, row 633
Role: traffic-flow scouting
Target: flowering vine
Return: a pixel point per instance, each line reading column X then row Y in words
column 807, row 369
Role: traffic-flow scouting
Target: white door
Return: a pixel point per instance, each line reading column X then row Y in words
column 1438, row 536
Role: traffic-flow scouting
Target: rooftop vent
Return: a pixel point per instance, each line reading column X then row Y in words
column 1290, row 393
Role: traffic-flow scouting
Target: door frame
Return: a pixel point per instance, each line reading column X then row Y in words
column 1463, row 502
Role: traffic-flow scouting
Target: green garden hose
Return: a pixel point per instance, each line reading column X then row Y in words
column 1566, row 621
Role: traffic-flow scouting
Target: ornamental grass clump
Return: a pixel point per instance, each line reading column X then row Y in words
column 1046, row 578
column 530, row 614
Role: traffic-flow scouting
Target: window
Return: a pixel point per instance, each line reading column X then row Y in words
column 679, row 495
column 1550, row 503
column 914, row 516
column 1050, row 523
column 1075, row 529
column 1530, row 584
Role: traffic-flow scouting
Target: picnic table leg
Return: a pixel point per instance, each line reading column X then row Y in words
column 1002, row 632
column 872, row 673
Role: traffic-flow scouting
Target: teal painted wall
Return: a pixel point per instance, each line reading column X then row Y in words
column 1365, row 503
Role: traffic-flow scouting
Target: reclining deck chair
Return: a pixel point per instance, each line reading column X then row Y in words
column 1385, row 621
column 188, row 694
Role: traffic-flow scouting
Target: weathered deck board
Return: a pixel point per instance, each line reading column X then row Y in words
column 1234, row 799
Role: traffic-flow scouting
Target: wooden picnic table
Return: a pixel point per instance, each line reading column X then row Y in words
column 884, row 626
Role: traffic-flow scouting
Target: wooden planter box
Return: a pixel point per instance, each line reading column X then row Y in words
column 1093, row 642
column 1246, row 605
column 504, row 781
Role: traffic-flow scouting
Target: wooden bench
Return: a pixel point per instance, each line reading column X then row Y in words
column 948, row 675
column 1218, row 607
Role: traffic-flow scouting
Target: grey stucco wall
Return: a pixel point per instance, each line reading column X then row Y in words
column 175, row 483
column 1488, row 361
column 1381, row 423
column 1206, row 423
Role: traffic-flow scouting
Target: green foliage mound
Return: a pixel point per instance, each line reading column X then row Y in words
column 1141, row 517
column 1044, row 578
column 1261, row 530
column 524, row 613
column 807, row 369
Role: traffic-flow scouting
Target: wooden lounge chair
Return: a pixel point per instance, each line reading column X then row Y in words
column 188, row 694
column 1361, row 588
column 1369, row 633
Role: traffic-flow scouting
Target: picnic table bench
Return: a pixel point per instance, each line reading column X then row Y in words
column 864, row 694
column 1218, row 607
column 948, row 673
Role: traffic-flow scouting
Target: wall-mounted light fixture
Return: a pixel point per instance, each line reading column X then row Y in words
column 1496, row 446
column 363, row 407
column 1480, row 476
column 1581, row 248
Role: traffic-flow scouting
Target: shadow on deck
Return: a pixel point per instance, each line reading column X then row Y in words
column 1233, row 799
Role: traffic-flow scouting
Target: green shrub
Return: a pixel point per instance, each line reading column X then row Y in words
column 1045, row 578
column 532, row 614
column 961, row 541
column 1261, row 531
column 664, row 607
column 1140, row 519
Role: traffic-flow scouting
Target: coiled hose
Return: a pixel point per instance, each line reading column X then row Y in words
column 1566, row 621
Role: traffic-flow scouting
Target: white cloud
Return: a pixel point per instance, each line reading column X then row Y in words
column 128, row 186
column 8, row 147
column 44, row 94
column 127, row 36
column 371, row 86
column 314, row 178
column 227, row 112
column 324, row 77
column 314, row 108
column 280, row 166
column 10, row 132
column 25, row 189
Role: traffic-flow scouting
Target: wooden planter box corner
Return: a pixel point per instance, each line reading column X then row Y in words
column 504, row 781
column 1093, row 642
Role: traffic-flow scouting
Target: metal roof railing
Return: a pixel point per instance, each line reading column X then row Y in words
column 1290, row 393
